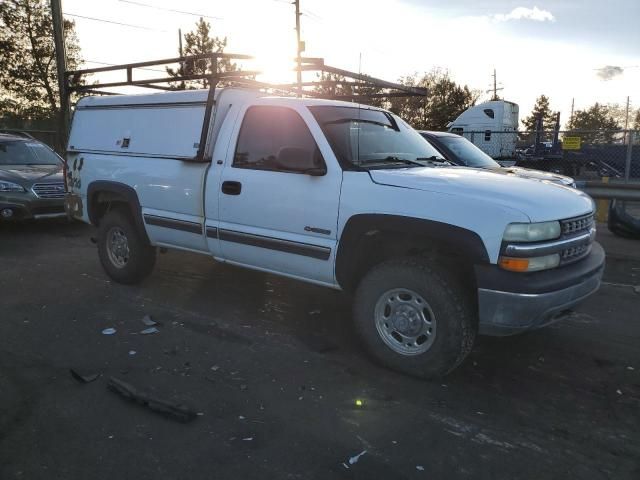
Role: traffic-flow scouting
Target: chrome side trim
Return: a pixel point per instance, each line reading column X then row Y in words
column 547, row 248
column 279, row 244
column 50, row 215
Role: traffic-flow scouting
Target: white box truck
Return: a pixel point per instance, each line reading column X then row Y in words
column 491, row 126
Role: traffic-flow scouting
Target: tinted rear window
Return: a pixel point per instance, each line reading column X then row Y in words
column 21, row 152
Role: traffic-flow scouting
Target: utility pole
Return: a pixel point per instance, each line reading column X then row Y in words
column 626, row 119
column 61, row 64
column 180, row 41
column 572, row 106
column 495, row 87
column 299, row 48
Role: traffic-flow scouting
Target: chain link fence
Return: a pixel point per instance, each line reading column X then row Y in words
column 584, row 154
column 43, row 130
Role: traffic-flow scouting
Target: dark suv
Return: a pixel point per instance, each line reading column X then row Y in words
column 31, row 179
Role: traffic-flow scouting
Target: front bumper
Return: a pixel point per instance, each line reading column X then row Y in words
column 508, row 306
column 26, row 206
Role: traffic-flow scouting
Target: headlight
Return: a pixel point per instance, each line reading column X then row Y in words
column 10, row 187
column 533, row 264
column 531, row 232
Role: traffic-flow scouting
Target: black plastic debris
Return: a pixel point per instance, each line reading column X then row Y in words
column 173, row 410
column 83, row 377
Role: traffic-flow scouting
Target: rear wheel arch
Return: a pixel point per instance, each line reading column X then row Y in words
column 369, row 239
column 102, row 195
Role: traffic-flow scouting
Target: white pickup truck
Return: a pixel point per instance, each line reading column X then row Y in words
column 344, row 196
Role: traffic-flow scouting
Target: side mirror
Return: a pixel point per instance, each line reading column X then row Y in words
column 300, row 160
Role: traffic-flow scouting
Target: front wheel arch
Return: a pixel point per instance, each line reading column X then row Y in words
column 358, row 249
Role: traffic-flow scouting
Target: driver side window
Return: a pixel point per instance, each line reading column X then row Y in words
column 276, row 139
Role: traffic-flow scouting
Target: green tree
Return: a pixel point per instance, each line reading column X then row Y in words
column 596, row 124
column 28, row 75
column 200, row 41
column 444, row 102
column 541, row 108
column 338, row 86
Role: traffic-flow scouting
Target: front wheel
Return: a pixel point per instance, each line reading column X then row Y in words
column 124, row 253
column 414, row 318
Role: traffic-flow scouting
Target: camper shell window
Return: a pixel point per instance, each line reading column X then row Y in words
column 489, row 113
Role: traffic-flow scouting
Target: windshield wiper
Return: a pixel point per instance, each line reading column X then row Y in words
column 434, row 159
column 392, row 158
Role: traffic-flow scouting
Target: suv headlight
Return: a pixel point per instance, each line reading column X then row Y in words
column 10, row 187
column 532, row 232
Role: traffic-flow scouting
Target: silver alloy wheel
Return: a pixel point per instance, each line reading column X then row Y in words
column 405, row 321
column 117, row 247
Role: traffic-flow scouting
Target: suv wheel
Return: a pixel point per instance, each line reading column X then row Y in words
column 413, row 318
column 124, row 253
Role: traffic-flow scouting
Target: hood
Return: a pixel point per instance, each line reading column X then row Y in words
column 540, row 201
column 537, row 175
column 31, row 173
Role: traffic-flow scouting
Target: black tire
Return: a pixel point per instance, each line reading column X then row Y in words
column 449, row 299
column 141, row 256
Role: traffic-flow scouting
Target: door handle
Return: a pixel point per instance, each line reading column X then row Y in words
column 231, row 188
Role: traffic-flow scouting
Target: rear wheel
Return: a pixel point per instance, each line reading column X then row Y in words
column 415, row 318
column 124, row 253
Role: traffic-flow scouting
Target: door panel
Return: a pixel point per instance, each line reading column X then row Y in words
column 227, row 115
column 275, row 220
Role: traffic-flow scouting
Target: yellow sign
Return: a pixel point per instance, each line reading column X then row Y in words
column 571, row 143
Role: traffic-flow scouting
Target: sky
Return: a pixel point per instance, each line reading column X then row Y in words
column 587, row 50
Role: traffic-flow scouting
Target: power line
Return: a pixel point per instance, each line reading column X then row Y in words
column 141, row 27
column 140, row 4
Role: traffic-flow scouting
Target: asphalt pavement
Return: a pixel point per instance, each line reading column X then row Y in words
column 279, row 385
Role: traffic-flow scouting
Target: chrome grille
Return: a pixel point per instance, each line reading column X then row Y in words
column 571, row 228
column 577, row 225
column 574, row 253
column 49, row 190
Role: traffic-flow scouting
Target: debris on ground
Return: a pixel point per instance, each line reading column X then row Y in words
column 630, row 368
column 353, row 460
column 171, row 409
column 109, row 331
column 248, row 439
column 215, row 368
column 314, row 312
column 636, row 289
column 149, row 331
column 420, row 467
column 148, row 321
column 318, row 343
column 132, row 352
column 83, row 377
column 619, row 392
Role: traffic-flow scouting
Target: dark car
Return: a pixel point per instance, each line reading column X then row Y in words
column 31, row 179
column 460, row 151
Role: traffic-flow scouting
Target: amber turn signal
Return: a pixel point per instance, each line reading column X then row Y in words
column 514, row 264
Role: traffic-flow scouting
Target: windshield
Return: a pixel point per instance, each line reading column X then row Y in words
column 467, row 153
column 364, row 137
column 21, row 152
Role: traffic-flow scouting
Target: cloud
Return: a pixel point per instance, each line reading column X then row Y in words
column 524, row 13
column 609, row 72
